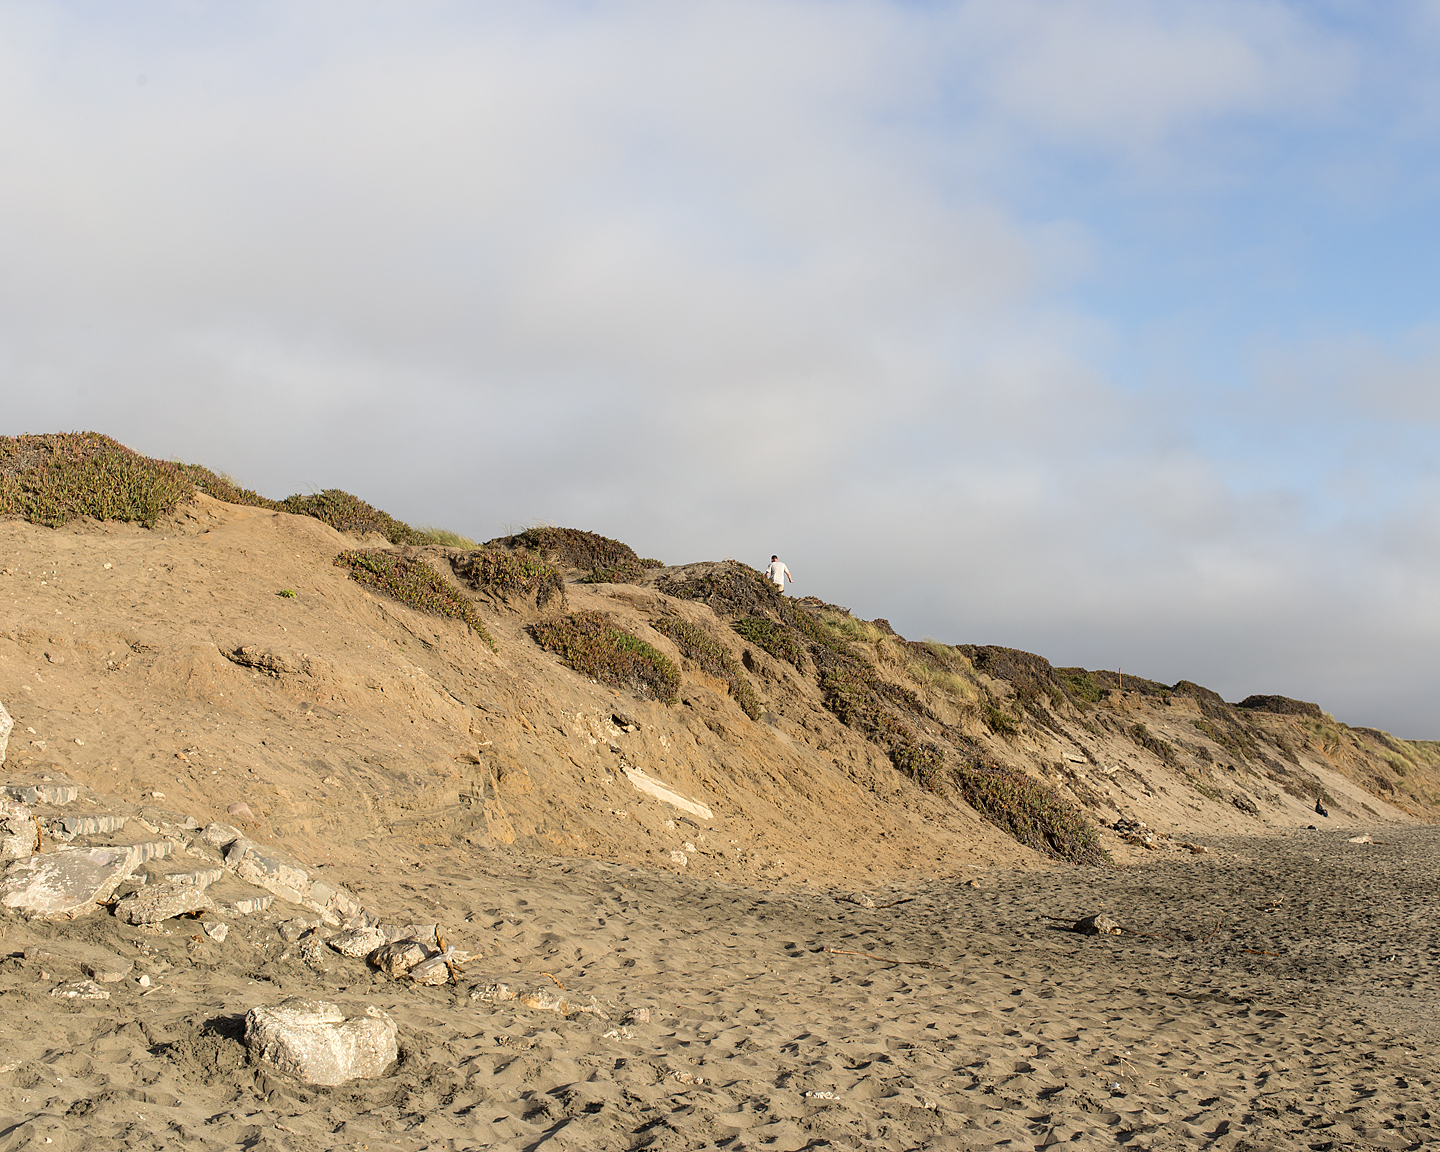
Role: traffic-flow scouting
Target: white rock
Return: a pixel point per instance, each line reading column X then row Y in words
column 399, row 956
column 313, row 1041
column 157, row 902
column 67, row 883
column 81, row 990
column 356, row 942
column 217, row 930
column 220, row 835
column 18, row 834
column 6, row 724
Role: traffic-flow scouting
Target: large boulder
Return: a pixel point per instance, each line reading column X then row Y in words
column 313, row 1041
column 67, row 883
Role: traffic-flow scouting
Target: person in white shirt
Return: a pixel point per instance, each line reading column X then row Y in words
column 777, row 573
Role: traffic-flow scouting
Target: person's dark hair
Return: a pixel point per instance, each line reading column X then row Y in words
column 774, row 557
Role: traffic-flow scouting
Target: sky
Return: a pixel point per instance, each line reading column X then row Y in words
column 1109, row 331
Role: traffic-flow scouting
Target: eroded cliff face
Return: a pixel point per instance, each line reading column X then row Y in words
column 166, row 664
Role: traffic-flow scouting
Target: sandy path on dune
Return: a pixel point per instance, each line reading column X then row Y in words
column 1286, row 996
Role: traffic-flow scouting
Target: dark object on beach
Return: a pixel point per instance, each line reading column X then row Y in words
column 1320, row 809
column 1097, row 925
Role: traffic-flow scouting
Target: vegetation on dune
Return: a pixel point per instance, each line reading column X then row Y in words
column 604, row 561
column 828, row 637
column 53, row 479
column 711, row 657
column 414, row 583
column 221, row 487
column 347, row 513
column 591, row 644
column 1033, row 813
column 941, row 667
column 446, row 538
column 1152, row 743
column 510, row 577
column 58, row 477
column 781, row 641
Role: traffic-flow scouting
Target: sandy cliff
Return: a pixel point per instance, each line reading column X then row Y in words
column 165, row 663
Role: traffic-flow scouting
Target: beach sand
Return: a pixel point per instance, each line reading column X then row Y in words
column 1279, row 992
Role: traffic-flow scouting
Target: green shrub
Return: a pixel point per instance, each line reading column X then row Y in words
column 1151, row 743
column 413, row 583
column 731, row 589
column 1033, row 813
column 627, row 573
column 593, row 646
column 710, row 655
column 607, row 561
column 780, row 640
column 508, row 576
column 55, row 478
column 1081, row 685
column 347, row 513
column 1001, row 723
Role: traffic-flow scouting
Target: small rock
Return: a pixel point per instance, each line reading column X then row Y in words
column 292, row 930
column 679, row 858
column 157, row 902
column 92, row 825
column 859, row 898
column 217, row 930
column 638, row 1016
column 434, row 970
column 81, row 990
column 1365, row 839
column 6, row 724
column 248, row 905
column 1097, row 925
column 356, row 942
column 18, row 834
column 314, row 1041
column 220, row 835
column 241, row 810
column 144, row 981
column 313, row 952
column 395, row 959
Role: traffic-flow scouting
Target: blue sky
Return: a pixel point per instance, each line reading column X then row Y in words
column 1105, row 330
